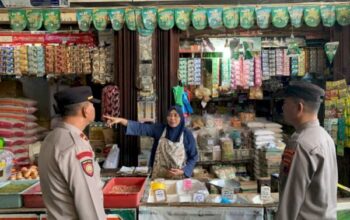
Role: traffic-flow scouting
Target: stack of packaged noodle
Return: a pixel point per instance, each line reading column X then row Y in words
column 18, row 127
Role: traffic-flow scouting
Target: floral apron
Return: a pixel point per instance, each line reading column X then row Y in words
column 168, row 155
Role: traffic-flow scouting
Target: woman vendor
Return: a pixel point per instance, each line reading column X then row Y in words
column 174, row 153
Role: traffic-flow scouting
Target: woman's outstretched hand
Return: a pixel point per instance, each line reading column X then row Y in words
column 113, row 120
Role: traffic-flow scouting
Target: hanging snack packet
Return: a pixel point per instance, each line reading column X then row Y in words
column 84, row 17
column 293, row 49
column 331, row 49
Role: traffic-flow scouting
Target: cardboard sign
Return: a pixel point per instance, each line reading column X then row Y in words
column 160, row 195
column 198, row 197
column 265, row 193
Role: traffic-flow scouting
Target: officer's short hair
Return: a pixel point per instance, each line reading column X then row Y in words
column 72, row 109
column 310, row 106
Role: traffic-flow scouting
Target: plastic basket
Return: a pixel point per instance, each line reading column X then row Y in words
column 33, row 197
column 126, row 199
column 14, row 199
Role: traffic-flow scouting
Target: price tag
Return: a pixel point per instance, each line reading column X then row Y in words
column 265, row 193
column 160, row 195
column 187, row 184
column 198, row 197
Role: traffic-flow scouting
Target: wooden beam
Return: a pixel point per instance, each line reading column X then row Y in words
column 319, row 32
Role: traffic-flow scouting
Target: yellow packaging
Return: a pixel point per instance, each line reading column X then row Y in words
column 159, row 191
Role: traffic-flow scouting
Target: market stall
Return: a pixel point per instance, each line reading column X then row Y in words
column 222, row 63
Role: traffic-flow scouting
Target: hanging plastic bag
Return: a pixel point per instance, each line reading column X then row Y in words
column 247, row 50
column 186, row 108
column 177, row 92
column 112, row 160
column 6, row 163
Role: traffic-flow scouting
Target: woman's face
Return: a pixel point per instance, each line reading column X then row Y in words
column 173, row 119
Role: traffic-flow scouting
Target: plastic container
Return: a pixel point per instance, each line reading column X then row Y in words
column 170, row 189
column 14, row 199
column 196, row 186
column 159, row 190
column 125, row 199
column 6, row 158
column 33, row 197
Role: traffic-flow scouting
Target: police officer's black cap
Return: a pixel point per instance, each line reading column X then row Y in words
column 74, row 95
column 303, row 90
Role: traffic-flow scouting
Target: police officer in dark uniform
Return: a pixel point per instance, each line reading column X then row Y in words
column 309, row 173
column 69, row 176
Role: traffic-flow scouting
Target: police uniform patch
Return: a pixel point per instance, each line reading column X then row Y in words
column 88, row 167
column 287, row 159
column 83, row 154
